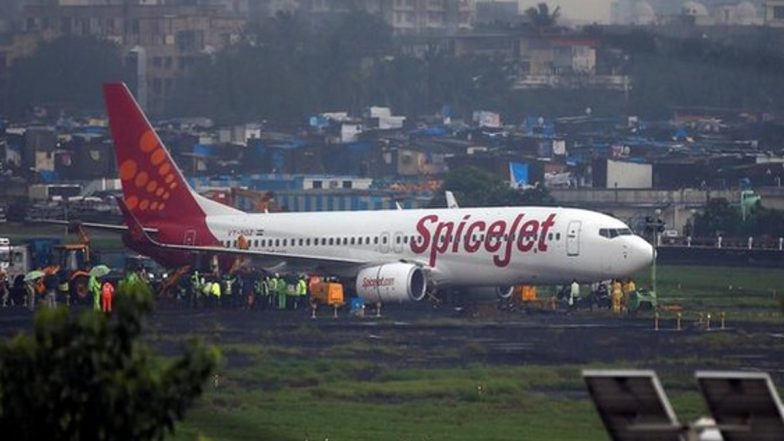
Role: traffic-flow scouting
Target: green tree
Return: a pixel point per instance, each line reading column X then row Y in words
column 541, row 17
column 477, row 188
column 67, row 73
column 719, row 217
column 90, row 378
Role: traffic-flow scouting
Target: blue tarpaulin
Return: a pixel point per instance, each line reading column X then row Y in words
column 201, row 149
column 431, row 131
column 518, row 173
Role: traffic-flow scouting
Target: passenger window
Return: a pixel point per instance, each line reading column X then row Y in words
column 331, row 241
column 352, row 241
column 550, row 236
column 277, row 242
column 557, row 236
column 375, row 240
column 384, row 240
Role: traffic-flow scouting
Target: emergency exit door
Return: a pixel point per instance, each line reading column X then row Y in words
column 573, row 238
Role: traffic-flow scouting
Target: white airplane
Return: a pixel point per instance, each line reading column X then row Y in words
column 394, row 255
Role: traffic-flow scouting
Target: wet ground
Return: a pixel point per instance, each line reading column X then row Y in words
column 422, row 337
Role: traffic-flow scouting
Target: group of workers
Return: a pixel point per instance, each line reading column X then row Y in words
column 617, row 291
column 253, row 291
column 51, row 289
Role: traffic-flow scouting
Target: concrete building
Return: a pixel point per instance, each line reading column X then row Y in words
column 774, row 13
column 407, row 17
column 163, row 38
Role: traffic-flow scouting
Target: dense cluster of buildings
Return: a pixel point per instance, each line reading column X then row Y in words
column 161, row 40
column 377, row 160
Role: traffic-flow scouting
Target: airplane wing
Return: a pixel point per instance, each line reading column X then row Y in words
column 139, row 234
column 92, row 225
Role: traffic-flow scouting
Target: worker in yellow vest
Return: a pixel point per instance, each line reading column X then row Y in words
column 215, row 290
column 302, row 292
column 628, row 289
column 617, row 296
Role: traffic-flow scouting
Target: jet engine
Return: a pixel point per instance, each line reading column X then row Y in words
column 392, row 282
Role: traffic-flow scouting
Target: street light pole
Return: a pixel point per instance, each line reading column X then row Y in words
column 655, row 255
column 656, row 227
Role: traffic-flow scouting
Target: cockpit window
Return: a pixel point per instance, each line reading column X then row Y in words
column 614, row 232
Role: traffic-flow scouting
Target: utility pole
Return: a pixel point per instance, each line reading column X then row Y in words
column 655, row 225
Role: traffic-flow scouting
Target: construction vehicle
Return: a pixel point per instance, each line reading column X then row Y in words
column 76, row 260
column 642, row 300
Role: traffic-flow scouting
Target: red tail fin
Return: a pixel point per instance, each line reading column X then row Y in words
column 153, row 186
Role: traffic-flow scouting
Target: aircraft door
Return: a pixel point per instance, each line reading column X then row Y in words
column 573, row 238
column 190, row 237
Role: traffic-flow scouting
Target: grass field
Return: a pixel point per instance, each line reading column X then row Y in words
column 451, row 377
column 307, row 383
column 742, row 293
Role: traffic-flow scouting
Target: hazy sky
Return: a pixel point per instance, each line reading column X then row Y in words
column 576, row 10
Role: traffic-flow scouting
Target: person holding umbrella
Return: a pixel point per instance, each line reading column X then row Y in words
column 95, row 286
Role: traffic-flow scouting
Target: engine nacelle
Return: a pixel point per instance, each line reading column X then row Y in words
column 392, row 282
column 489, row 292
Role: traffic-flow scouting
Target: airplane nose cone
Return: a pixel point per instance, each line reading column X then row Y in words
column 642, row 254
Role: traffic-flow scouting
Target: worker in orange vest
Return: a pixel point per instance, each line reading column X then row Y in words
column 107, row 293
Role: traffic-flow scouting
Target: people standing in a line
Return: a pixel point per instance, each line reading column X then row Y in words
column 262, row 291
column 215, row 290
column 63, row 287
column 291, row 296
column 302, row 292
column 282, row 287
column 628, row 289
column 574, row 294
column 617, row 296
column 30, row 291
column 50, row 283
column 228, row 290
column 107, row 295
column 5, row 293
column 195, row 289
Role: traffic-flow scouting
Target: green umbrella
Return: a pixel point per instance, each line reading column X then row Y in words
column 100, row 271
column 33, row 275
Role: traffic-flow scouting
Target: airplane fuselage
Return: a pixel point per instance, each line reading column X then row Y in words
column 466, row 247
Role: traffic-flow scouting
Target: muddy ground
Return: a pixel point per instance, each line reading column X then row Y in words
column 422, row 337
